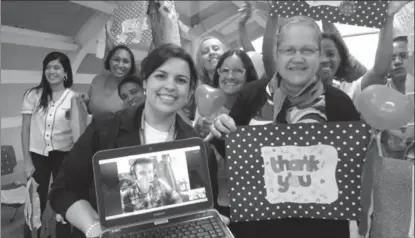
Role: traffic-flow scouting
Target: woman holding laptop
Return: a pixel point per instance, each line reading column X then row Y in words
column 170, row 79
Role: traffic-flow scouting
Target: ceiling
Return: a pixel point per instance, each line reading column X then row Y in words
column 58, row 17
column 75, row 26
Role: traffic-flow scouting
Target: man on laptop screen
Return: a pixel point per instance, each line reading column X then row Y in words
column 148, row 191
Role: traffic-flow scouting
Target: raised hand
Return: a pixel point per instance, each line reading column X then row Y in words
column 168, row 14
column 246, row 11
column 395, row 6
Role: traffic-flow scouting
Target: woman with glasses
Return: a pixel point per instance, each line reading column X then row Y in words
column 294, row 95
column 234, row 69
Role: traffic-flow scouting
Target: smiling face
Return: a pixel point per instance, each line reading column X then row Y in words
column 298, row 57
column 232, row 75
column 144, row 174
column 54, row 72
column 131, row 94
column 168, row 87
column 400, row 56
column 331, row 60
column 120, row 63
column 211, row 50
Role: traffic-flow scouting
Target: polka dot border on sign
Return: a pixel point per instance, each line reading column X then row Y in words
column 359, row 13
column 246, row 169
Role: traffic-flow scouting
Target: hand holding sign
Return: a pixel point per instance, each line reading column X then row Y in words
column 395, row 6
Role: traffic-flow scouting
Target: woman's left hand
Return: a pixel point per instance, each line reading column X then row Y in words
column 395, row 6
column 247, row 12
column 169, row 15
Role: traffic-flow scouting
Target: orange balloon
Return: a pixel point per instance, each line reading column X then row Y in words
column 209, row 100
column 384, row 108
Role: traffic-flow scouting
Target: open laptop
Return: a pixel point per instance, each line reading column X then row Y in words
column 158, row 190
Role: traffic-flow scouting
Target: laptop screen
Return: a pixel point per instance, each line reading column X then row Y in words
column 139, row 184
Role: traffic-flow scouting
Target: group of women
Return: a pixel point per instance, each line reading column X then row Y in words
column 298, row 86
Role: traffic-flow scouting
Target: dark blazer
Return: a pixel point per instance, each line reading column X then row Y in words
column 339, row 107
column 74, row 181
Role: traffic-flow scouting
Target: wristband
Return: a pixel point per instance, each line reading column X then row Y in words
column 92, row 226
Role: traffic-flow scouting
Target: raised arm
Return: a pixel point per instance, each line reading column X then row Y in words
column 155, row 20
column 269, row 44
column 244, row 39
column 164, row 25
column 384, row 51
column 357, row 69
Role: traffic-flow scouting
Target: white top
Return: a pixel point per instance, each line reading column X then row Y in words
column 51, row 129
column 353, row 89
column 153, row 135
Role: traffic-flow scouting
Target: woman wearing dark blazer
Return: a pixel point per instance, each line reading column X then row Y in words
column 294, row 95
column 169, row 81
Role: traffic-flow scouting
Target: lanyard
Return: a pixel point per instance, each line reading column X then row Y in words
column 170, row 136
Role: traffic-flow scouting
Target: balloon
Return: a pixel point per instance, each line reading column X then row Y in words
column 258, row 64
column 209, row 99
column 384, row 108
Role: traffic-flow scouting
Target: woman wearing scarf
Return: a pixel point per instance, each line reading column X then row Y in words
column 294, row 95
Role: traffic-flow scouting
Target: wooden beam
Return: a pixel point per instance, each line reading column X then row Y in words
column 239, row 4
column 231, row 28
column 11, row 122
column 184, row 8
column 213, row 23
column 254, row 31
column 101, row 6
column 87, row 37
column 260, row 18
column 10, row 76
column 196, row 7
column 139, row 54
column 20, row 36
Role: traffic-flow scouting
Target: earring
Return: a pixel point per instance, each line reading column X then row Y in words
column 144, row 92
column 65, row 78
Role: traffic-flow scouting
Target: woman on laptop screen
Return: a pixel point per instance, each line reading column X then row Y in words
column 169, row 81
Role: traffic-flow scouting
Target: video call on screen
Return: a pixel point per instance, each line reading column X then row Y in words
column 173, row 177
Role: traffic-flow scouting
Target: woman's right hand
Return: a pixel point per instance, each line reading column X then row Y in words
column 29, row 168
column 96, row 231
column 202, row 126
column 247, row 12
column 222, row 125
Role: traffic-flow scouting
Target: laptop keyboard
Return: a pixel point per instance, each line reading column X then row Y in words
column 205, row 228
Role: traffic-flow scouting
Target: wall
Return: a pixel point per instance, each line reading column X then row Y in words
column 21, row 68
